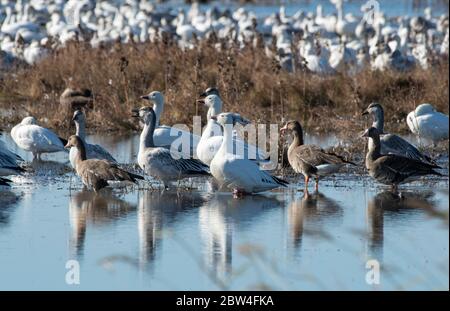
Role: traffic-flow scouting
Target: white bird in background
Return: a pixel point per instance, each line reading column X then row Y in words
column 36, row 139
column 428, row 123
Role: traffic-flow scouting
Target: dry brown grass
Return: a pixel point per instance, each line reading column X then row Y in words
column 250, row 84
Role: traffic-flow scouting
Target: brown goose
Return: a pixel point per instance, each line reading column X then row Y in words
column 393, row 169
column 72, row 99
column 96, row 173
column 310, row 160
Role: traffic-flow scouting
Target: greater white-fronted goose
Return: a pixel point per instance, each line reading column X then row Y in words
column 158, row 162
column 164, row 136
column 212, row 136
column 231, row 171
column 310, row 160
column 72, row 99
column 391, row 169
column 95, row 173
column 391, row 143
column 92, row 151
column 428, row 123
column 36, row 139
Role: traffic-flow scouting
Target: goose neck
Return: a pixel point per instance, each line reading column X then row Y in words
column 374, row 147
column 378, row 122
column 146, row 139
column 80, row 129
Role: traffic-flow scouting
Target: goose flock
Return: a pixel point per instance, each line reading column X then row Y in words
column 323, row 42
column 233, row 164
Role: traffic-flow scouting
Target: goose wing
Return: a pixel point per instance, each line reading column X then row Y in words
column 181, row 166
column 394, row 144
column 315, row 156
column 102, row 170
column 98, row 152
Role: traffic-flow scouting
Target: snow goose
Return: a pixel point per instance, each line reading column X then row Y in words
column 428, row 123
column 165, row 136
column 92, row 151
column 158, row 162
column 310, row 160
column 36, row 139
column 96, row 174
column 234, row 172
column 212, row 136
column 391, row 143
column 391, row 169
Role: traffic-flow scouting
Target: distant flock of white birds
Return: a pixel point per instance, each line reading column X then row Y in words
column 324, row 43
column 233, row 163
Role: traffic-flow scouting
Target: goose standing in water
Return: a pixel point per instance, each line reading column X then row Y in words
column 158, row 161
column 31, row 137
column 310, row 160
column 95, row 173
column 391, row 143
column 92, row 151
column 212, row 136
column 391, row 169
column 428, row 123
column 234, row 172
column 162, row 135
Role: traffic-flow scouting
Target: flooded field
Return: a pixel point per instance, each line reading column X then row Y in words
column 144, row 239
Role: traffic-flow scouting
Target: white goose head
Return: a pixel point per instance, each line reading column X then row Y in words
column 29, row 121
column 157, row 99
column 214, row 104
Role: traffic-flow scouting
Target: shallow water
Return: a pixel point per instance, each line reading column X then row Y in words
column 139, row 239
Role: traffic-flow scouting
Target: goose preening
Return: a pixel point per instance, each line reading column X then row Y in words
column 158, row 162
column 92, row 151
column 95, row 174
column 391, row 169
column 212, row 136
column 36, row 139
column 165, row 136
column 310, row 160
column 391, row 143
column 428, row 123
column 232, row 171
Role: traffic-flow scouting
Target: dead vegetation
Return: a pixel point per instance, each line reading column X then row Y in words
column 250, row 83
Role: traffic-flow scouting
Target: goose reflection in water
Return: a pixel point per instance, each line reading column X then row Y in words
column 310, row 214
column 87, row 207
column 392, row 206
column 8, row 200
column 219, row 218
column 157, row 211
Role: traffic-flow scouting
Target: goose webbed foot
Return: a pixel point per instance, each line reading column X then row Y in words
column 317, row 184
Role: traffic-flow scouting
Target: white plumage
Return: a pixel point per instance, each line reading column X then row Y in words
column 428, row 123
column 234, row 172
column 36, row 139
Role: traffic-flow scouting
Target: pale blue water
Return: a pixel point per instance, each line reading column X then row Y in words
column 138, row 239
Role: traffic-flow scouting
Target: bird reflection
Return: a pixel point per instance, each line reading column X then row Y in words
column 156, row 211
column 312, row 210
column 87, row 207
column 389, row 206
column 218, row 220
column 8, row 200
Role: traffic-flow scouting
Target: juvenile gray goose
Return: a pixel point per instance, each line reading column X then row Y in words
column 391, row 143
column 95, row 173
column 391, row 169
column 310, row 160
column 158, row 161
column 92, row 151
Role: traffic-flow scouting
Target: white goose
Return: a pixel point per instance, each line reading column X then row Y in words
column 162, row 135
column 36, row 139
column 212, row 136
column 234, row 172
column 391, row 143
column 92, row 151
column 428, row 123
column 157, row 161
